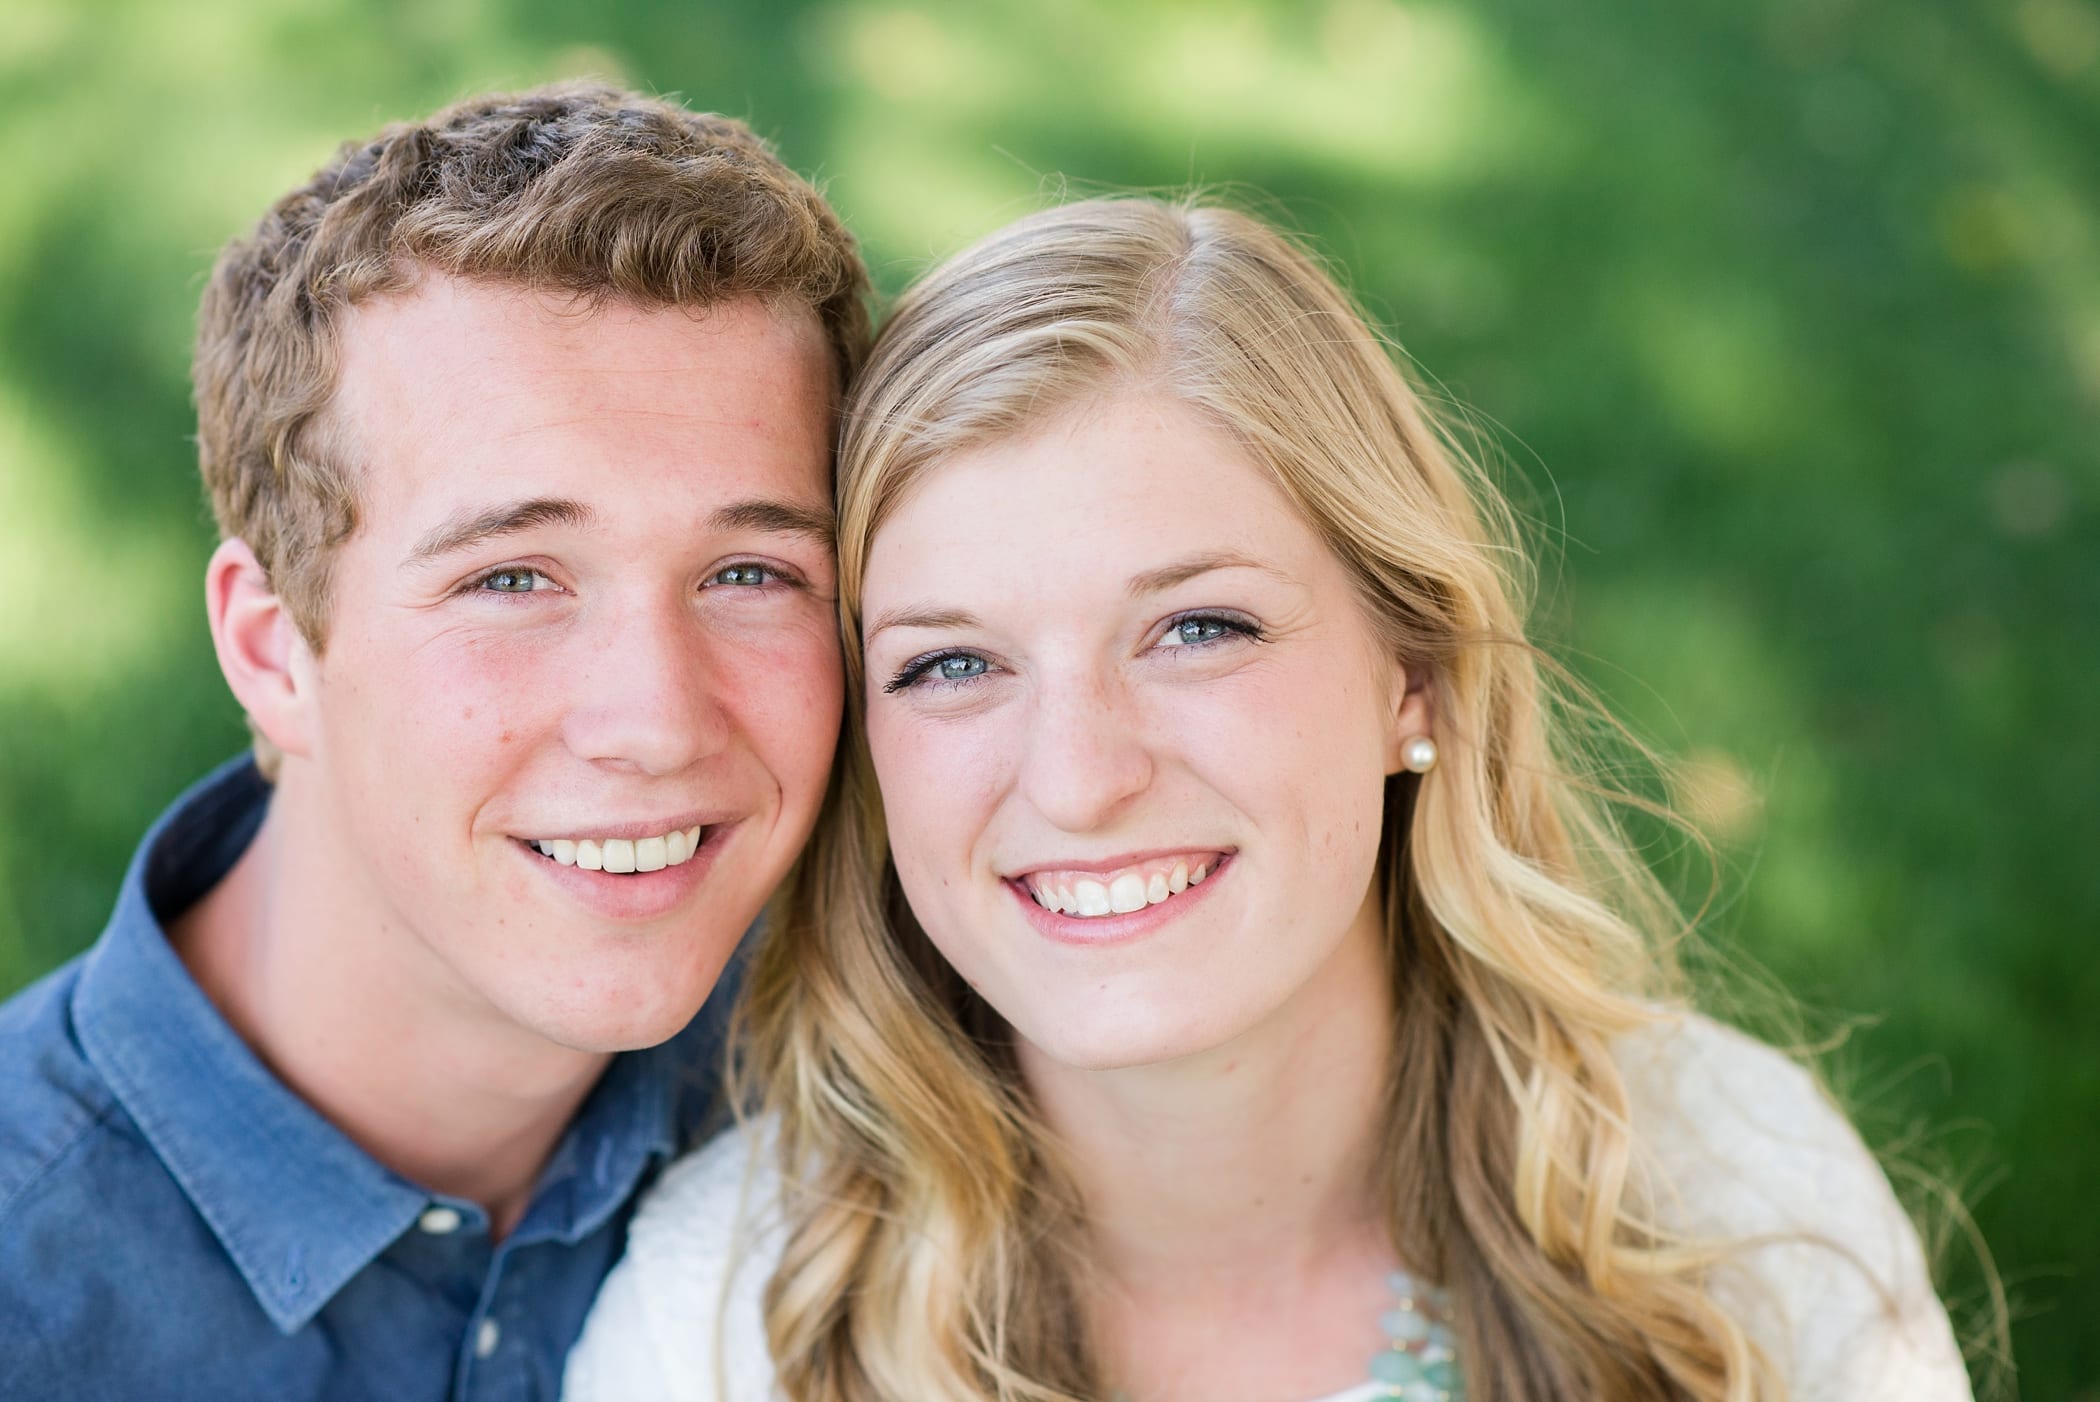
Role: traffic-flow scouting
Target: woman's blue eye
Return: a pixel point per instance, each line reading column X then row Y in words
column 512, row 581
column 746, row 575
column 1191, row 631
column 1198, row 630
column 947, row 667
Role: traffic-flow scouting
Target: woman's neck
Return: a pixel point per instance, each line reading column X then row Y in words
column 1227, row 1192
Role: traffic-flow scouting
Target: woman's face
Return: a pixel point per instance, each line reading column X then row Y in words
column 1132, row 729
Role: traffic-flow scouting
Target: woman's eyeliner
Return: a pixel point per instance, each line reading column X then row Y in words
column 909, row 674
column 1210, row 628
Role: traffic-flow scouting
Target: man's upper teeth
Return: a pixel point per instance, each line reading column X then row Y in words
column 1132, row 888
column 623, row 854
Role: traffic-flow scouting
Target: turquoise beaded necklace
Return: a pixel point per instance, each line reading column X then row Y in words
column 1420, row 1360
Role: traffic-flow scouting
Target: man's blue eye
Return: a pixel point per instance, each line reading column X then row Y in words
column 512, row 581
column 956, row 669
column 746, row 575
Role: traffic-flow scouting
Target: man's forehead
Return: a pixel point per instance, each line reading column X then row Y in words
column 463, row 398
column 475, row 329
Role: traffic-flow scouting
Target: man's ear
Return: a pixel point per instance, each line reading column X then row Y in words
column 1409, row 714
column 266, row 661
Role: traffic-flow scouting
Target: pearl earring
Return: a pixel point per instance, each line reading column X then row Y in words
column 1418, row 755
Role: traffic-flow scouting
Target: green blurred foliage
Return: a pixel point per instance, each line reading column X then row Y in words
column 1784, row 314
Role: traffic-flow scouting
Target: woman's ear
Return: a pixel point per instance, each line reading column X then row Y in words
column 265, row 660
column 1410, row 714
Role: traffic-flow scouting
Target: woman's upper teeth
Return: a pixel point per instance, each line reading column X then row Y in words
column 624, row 854
column 1090, row 894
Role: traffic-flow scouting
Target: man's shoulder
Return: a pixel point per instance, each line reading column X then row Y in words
column 55, row 1102
column 81, row 1196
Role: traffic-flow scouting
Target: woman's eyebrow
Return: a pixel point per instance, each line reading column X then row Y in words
column 1150, row 582
column 921, row 617
column 1181, row 571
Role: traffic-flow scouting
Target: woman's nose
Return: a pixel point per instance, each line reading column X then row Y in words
column 1086, row 757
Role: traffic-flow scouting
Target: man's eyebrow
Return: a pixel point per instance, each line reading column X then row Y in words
column 920, row 618
column 1181, row 571
column 778, row 517
column 467, row 529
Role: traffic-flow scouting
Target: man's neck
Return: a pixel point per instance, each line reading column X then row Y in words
column 373, row 1031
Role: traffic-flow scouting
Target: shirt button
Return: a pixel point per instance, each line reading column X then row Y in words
column 439, row 1220
column 487, row 1337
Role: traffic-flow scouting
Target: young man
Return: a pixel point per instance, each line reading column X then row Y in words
column 517, row 424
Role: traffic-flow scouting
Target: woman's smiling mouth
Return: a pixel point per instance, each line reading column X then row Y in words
column 1118, row 888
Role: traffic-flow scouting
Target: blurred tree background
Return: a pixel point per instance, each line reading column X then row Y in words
column 1784, row 313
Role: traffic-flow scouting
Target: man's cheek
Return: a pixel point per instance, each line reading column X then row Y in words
column 487, row 695
column 792, row 690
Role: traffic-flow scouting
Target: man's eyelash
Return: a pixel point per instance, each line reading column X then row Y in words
column 478, row 584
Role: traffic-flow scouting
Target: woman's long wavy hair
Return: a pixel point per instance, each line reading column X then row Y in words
column 935, row 1246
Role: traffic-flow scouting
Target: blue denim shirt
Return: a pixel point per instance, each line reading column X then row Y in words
column 175, row 1223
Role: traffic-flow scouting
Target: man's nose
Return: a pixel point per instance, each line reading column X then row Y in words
column 1087, row 754
column 646, row 697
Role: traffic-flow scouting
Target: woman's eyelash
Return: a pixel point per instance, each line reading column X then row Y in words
column 914, row 672
column 1201, row 629
column 1210, row 626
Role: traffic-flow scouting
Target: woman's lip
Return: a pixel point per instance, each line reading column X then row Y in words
column 1098, row 930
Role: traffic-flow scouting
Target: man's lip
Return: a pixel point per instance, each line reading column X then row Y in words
column 1104, row 866
column 569, row 831
column 635, row 897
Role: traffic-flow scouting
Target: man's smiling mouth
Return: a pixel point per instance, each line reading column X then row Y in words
column 623, row 854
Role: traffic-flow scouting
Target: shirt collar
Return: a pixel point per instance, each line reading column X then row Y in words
column 298, row 1207
column 625, row 1128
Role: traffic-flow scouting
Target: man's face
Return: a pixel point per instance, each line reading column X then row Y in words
column 585, row 621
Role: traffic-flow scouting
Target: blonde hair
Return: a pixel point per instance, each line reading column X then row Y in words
column 933, row 1251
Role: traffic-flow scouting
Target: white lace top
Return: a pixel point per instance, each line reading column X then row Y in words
column 1748, row 1144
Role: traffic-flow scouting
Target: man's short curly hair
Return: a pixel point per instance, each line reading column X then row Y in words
column 572, row 188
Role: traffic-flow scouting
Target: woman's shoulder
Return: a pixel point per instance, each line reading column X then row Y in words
column 681, row 1315
column 1829, row 1277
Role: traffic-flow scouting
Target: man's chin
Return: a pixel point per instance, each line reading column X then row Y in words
column 614, row 1031
column 600, row 1009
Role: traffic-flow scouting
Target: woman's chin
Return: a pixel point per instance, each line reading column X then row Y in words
column 1122, row 1045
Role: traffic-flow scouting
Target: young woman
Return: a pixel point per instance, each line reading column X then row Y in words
column 1213, row 978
